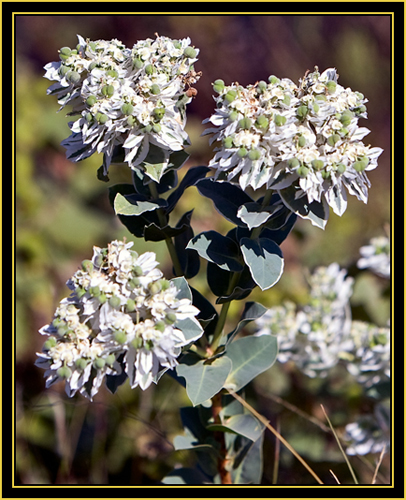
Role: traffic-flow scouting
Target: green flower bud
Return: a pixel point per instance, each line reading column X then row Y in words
column 320, row 97
column 160, row 326
column 57, row 322
column 64, row 372
column 164, row 284
column 346, row 117
column 89, row 117
column 132, row 284
column 87, row 265
column 63, row 330
column 262, row 86
column 120, row 337
column 170, row 318
column 286, row 99
column 63, row 70
column 316, row 107
column 293, row 163
column 190, row 52
column 112, row 72
column 149, row 69
column 273, row 79
column 130, row 121
column 102, row 298
column 333, row 139
column 137, row 63
column 99, row 363
column 245, row 123
column 107, row 90
column 80, row 292
column 262, row 122
column 103, row 119
column 340, row 168
column 159, row 113
column 138, row 271
column 254, row 154
column 51, row 342
column 302, row 171
column 242, row 152
column 154, row 287
column 92, row 65
column 361, row 165
column 94, row 291
column 115, row 301
column 127, row 109
column 130, row 306
column 73, row 77
column 156, row 128
column 231, row 95
column 66, row 51
column 137, row 343
column 233, row 116
column 302, row 112
column 228, row 142
column 279, row 120
column 361, row 109
column 110, row 359
column 317, row 164
column 343, row 131
column 218, row 86
column 301, row 141
column 326, row 174
column 331, row 86
column 155, row 89
column 81, row 363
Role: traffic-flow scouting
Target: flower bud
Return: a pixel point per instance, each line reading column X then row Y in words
column 262, row 122
column 66, row 51
column 286, row 99
column 233, row 116
column 320, row 97
column 228, row 142
column 115, row 301
column 245, row 123
column 101, row 118
column 132, row 284
column 340, row 168
column 110, row 359
column 149, row 69
column 130, row 121
column 301, row 142
column 137, row 343
column 51, row 342
column 242, row 152
column 102, row 298
column 346, row 117
column 154, row 287
column 138, row 271
column 107, row 90
column 333, row 139
column 190, row 52
column 112, row 72
column 317, row 164
column 279, row 120
column 120, row 337
column 159, row 113
column 127, row 109
column 92, row 65
column 231, row 95
column 254, row 154
column 170, row 318
column 99, row 363
column 73, row 77
column 301, row 112
column 331, row 86
column 87, row 265
column 155, row 89
column 302, row 171
column 63, row 70
column 89, row 117
column 64, row 372
column 361, row 165
column 293, row 163
column 81, row 363
column 130, row 306
column 94, row 291
column 137, row 63
column 273, row 79
column 262, row 86
column 218, row 86
column 156, row 128
column 80, row 292
column 160, row 326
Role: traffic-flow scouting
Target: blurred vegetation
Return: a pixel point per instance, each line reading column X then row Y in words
column 62, row 210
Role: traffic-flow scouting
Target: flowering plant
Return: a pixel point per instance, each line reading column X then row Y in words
column 282, row 151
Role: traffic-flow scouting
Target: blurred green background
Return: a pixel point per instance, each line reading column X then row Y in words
column 62, row 210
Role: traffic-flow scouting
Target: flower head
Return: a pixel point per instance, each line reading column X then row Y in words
column 129, row 98
column 376, row 256
column 122, row 315
column 277, row 134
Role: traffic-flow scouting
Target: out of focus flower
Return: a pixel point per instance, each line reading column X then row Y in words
column 126, row 97
column 277, row 134
column 122, row 315
column 376, row 256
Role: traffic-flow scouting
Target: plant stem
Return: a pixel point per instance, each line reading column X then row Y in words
column 169, row 243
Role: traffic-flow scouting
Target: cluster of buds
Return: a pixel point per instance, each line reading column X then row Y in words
column 322, row 333
column 277, row 134
column 122, row 315
column 128, row 97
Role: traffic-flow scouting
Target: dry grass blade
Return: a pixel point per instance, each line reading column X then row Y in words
column 378, row 465
column 341, row 448
column 276, row 433
column 335, row 477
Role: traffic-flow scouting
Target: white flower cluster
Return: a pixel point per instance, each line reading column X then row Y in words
column 277, row 134
column 122, row 314
column 376, row 256
column 322, row 333
column 125, row 97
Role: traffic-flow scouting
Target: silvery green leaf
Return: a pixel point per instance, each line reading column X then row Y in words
column 122, row 205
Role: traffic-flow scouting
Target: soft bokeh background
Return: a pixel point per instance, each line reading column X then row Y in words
column 62, row 211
